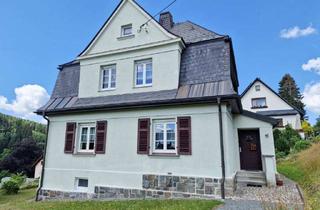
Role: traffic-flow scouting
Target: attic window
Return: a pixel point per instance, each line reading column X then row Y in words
column 257, row 88
column 126, row 30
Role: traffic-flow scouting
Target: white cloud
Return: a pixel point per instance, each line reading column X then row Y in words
column 28, row 99
column 296, row 32
column 312, row 65
column 311, row 98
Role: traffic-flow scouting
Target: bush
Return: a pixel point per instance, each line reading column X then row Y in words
column 282, row 145
column 316, row 139
column 19, row 178
column 11, row 186
column 286, row 139
column 301, row 145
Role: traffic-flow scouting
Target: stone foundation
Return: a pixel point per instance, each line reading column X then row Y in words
column 153, row 187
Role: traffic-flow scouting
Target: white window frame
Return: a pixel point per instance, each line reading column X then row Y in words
column 164, row 150
column 80, row 188
column 109, row 69
column 124, row 27
column 144, row 78
column 88, row 126
column 256, row 99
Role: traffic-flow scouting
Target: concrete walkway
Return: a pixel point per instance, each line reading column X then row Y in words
column 265, row 198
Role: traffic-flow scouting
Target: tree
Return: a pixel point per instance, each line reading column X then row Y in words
column 289, row 90
column 307, row 128
column 22, row 157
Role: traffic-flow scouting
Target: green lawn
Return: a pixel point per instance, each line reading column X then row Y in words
column 304, row 168
column 25, row 200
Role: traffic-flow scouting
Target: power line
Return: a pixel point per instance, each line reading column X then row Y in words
column 174, row 1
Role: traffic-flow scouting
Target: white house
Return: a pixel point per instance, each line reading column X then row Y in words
column 260, row 98
column 151, row 110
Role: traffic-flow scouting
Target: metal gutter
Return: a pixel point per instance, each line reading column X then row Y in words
column 222, row 151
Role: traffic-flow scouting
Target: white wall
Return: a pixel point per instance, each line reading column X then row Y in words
column 128, row 13
column 166, row 68
column 273, row 103
column 121, row 165
column 38, row 170
column 293, row 120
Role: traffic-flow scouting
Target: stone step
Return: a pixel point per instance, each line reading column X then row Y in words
column 242, row 179
column 245, row 183
column 245, row 178
column 251, row 173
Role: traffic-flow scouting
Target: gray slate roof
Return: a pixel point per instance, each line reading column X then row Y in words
column 279, row 112
column 205, row 73
column 191, row 32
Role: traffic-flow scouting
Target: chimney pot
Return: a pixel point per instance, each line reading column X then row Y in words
column 166, row 20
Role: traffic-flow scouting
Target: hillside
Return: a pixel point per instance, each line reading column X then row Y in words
column 21, row 141
column 304, row 168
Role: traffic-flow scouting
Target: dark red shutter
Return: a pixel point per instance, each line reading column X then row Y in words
column 184, row 135
column 101, row 135
column 70, row 136
column 143, row 136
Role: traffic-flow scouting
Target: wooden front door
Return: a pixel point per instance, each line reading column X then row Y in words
column 250, row 151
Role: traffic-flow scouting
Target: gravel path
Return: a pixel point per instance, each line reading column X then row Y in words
column 247, row 198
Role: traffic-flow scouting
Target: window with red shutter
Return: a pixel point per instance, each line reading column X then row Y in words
column 101, row 135
column 70, row 137
column 184, row 135
column 143, row 136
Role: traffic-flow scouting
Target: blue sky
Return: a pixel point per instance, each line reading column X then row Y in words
column 36, row 36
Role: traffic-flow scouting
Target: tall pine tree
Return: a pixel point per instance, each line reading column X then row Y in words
column 289, row 90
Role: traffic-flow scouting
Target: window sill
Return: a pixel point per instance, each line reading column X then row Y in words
column 259, row 107
column 84, row 154
column 107, row 90
column 142, row 86
column 164, row 155
column 126, row 37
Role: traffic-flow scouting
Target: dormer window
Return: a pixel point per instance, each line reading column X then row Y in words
column 108, row 77
column 143, row 73
column 126, row 30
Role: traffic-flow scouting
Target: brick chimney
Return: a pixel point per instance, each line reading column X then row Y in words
column 166, row 20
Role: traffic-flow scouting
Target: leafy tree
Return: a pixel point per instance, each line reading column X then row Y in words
column 307, row 128
column 289, row 90
column 22, row 157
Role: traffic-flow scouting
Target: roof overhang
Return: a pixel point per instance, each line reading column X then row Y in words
column 233, row 100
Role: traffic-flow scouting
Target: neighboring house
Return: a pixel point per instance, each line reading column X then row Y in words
column 151, row 110
column 260, row 98
column 38, row 164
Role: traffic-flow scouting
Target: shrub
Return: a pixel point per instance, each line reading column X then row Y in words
column 282, row 145
column 19, row 178
column 316, row 139
column 301, row 145
column 11, row 186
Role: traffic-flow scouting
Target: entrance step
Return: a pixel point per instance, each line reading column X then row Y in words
column 251, row 178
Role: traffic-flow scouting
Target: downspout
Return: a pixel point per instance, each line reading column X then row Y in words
column 44, row 156
column 222, row 151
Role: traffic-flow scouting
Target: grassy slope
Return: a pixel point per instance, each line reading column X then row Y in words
column 304, row 168
column 25, row 200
